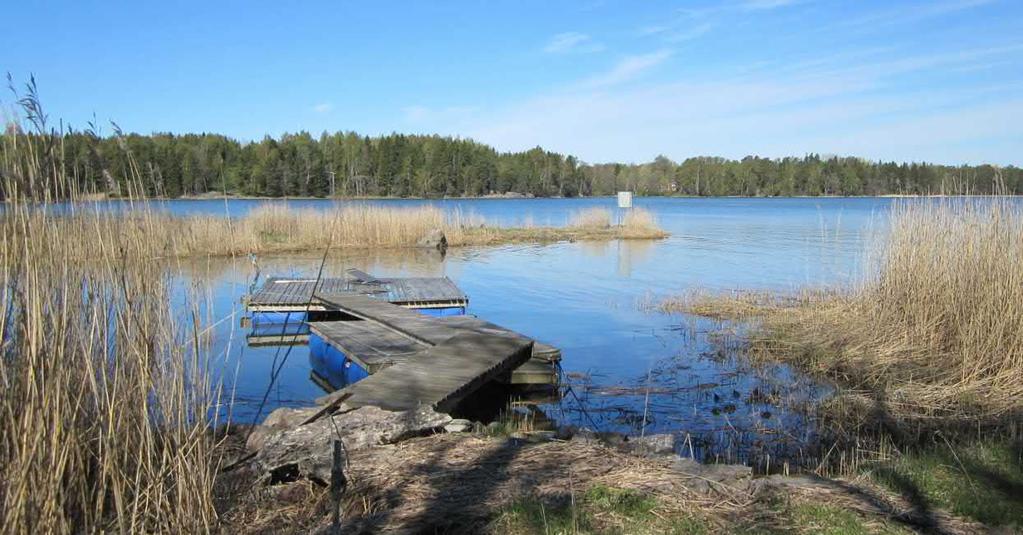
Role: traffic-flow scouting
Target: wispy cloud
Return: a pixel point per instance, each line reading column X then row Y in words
column 572, row 42
column 845, row 104
column 757, row 5
column 888, row 99
column 693, row 22
column 323, row 107
column 626, row 69
column 688, row 34
column 903, row 14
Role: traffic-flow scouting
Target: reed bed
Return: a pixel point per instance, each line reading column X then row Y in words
column 104, row 414
column 639, row 223
column 596, row 218
column 274, row 228
column 933, row 333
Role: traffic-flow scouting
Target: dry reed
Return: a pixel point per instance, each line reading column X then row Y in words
column 274, row 228
column 933, row 333
column 597, row 218
column 104, row 415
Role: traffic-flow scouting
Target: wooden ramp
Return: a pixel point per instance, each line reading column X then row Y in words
column 427, row 331
column 442, row 375
column 398, row 319
column 374, row 346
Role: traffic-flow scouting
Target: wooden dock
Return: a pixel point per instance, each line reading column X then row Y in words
column 296, row 295
column 387, row 330
column 415, row 359
column 391, row 334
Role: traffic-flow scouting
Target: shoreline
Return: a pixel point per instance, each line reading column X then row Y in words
column 219, row 197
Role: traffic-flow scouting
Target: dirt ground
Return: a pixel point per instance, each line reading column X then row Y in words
column 461, row 483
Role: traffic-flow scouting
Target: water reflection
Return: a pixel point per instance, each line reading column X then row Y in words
column 626, row 253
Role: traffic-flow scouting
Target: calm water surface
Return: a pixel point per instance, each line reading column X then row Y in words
column 626, row 365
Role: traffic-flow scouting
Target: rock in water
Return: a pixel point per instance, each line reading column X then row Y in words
column 306, row 451
column 435, row 239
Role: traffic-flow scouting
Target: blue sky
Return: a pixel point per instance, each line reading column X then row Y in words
column 938, row 80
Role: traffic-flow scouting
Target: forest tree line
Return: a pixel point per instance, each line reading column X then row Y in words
column 347, row 164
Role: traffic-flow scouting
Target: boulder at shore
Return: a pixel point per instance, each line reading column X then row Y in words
column 306, row 451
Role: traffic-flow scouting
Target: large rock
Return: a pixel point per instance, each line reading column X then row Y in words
column 281, row 419
column 435, row 239
column 306, row 451
column 707, row 478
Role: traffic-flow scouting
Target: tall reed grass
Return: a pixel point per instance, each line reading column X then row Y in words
column 637, row 223
column 273, row 228
column 597, row 218
column 104, row 413
column 933, row 332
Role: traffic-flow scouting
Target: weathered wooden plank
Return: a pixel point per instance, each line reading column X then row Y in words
column 370, row 345
column 424, row 329
column 291, row 292
column 533, row 372
column 443, row 374
column 541, row 350
column 398, row 319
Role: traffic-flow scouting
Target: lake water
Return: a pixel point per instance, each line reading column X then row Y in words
column 627, row 365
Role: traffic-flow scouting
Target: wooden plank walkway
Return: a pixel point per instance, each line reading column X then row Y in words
column 541, row 351
column 415, row 359
column 442, row 375
column 369, row 344
column 426, row 329
column 401, row 320
column 374, row 347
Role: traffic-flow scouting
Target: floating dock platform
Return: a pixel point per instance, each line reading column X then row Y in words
column 410, row 359
column 280, row 295
column 279, row 310
column 384, row 335
column 360, row 325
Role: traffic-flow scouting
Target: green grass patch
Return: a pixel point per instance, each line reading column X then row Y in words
column 777, row 515
column 829, row 520
column 600, row 509
column 981, row 480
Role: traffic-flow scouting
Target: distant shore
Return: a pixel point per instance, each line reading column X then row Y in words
column 216, row 196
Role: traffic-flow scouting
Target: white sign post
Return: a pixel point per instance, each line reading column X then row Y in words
column 624, row 203
column 625, row 199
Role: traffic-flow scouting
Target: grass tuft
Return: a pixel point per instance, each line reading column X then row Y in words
column 601, row 509
column 983, row 481
column 591, row 218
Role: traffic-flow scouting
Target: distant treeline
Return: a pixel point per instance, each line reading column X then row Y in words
column 347, row 164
